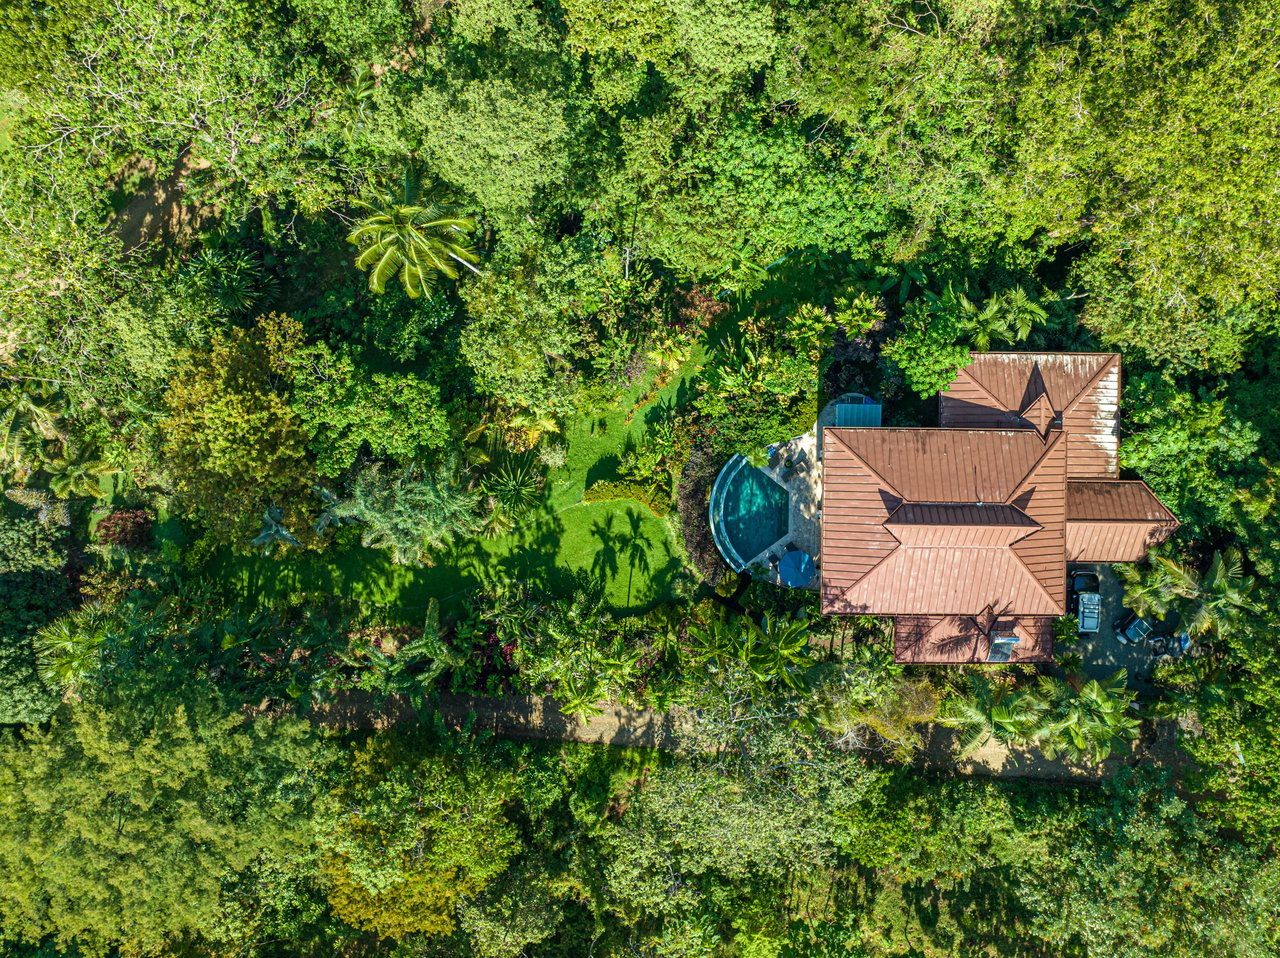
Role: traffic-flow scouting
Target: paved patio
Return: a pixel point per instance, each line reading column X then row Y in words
column 795, row 466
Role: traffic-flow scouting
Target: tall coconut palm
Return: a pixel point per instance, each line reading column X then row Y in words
column 1087, row 724
column 992, row 711
column 1219, row 597
column 1148, row 588
column 418, row 240
column 30, row 417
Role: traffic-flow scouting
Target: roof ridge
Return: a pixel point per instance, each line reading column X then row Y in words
column 1110, row 481
column 866, row 575
column 1039, row 585
column 834, row 431
column 1050, row 443
column 1094, row 379
column 964, row 370
column 1067, row 352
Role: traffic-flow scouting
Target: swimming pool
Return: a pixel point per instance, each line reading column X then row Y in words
column 748, row 513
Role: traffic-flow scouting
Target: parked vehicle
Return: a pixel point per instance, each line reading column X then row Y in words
column 1088, row 602
column 1133, row 629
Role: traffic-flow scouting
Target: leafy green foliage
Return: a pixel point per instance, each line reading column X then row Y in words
column 1193, row 451
column 34, row 591
column 1164, row 153
column 409, row 833
column 121, row 821
column 344, row 408
column 926, row 352
column 234, row 444
column 606, row 491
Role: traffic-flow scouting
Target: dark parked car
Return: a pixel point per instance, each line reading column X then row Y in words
column 1133, row 629
column 1088, row 602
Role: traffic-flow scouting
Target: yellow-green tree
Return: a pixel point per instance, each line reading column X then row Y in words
column 121, row 821
column 410, row 834
column 233, row 443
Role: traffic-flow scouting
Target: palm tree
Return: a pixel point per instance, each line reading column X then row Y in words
column 1148, row 588
column 417, row 240
column 1023, row 311
column 984, row 324
column 29, row 417
column 532, row 426
column 69, row 650
column 1219, row 597
column 1006, row 316
column 71, row 475
column 1087, row 724
column 515, row 487
column 992, row 711
column 782, row 648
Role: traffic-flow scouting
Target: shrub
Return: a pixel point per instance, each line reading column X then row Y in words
column 129, row 529
column 638, row 492
column 553, row 456
column 33, row 592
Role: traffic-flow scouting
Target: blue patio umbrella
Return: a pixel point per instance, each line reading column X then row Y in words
column 796, row 569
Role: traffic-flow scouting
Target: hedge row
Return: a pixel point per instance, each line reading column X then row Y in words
column 659, row 505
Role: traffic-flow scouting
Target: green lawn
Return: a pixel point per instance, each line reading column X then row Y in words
column 636, row 554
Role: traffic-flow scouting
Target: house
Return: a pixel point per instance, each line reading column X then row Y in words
column 963, row 533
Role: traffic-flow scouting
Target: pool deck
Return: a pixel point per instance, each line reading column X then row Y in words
column 804, row 490
column 803, row 483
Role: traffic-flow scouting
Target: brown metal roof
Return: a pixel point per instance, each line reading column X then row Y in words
column 944, row 465
column 1109, row 520
column 1114, row 500
column 1020, row 390
column 954, row 640
column 954, row 530
column 926, row 521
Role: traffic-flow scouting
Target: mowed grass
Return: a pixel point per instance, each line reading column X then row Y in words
column 634, row 555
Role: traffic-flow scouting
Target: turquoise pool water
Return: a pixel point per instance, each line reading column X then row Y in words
column 748, row 512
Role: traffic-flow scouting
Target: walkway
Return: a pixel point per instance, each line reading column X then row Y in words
column 516, row 716
column 538, row 717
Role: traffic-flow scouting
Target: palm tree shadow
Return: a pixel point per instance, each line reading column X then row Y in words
column 605, row 562
column 636, row 546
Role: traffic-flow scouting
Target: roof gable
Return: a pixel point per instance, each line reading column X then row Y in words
column 945, row 465
column 1018, row 379
column 943, row 522
column 1079, row 391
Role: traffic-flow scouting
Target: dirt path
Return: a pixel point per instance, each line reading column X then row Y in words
column 516, row 716
column 538, row 717
column 993, row 760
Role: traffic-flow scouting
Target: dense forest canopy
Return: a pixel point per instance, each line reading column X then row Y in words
column 363, row 362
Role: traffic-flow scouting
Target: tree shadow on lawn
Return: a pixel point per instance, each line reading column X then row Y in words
column 623, row 549
column 604, row 469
